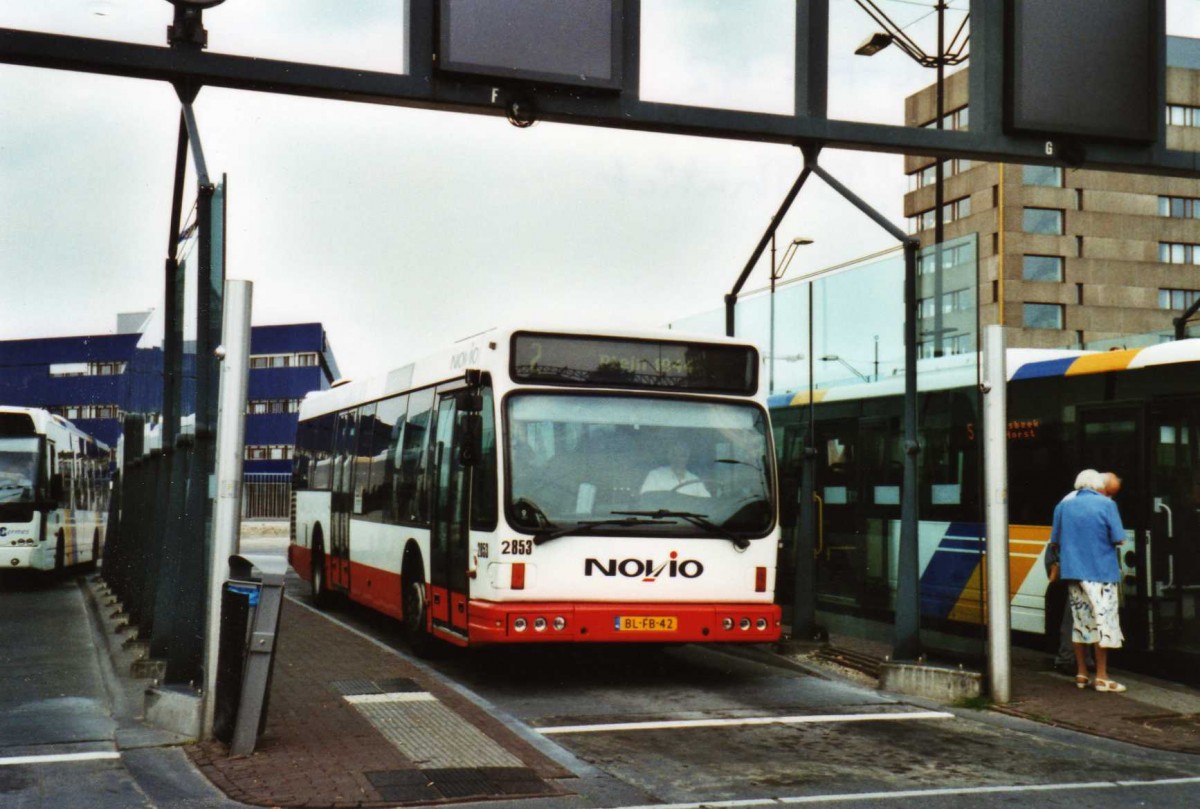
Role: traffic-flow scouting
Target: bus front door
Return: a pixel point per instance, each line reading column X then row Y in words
column 1172, row 536
column 451, row 520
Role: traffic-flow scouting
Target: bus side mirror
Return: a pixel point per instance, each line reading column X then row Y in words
column 470, row 447
column 789, row 499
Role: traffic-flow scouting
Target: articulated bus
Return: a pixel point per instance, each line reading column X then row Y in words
column 54, row 490
column 530, row 486
column 1133, row 412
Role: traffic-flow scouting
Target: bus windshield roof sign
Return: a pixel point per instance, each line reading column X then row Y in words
column 627, row 363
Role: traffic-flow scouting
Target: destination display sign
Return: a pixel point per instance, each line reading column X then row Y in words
column 649, row 364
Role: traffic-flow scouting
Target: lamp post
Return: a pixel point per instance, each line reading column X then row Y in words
column 953, row 54
column 907, row 642
column 777, row 271
column 852, row 369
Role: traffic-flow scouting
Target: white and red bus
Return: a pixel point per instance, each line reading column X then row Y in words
column 537, row 486
column 54, row 489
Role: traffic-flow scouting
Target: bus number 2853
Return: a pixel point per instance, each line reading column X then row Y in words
column 518, row 547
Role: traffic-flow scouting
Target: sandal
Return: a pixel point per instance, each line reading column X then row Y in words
column 1109, row 685
column 1082, row 681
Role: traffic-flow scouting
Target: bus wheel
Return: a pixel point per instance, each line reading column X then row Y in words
column 416, row 615
column 320, row 593
column 60, row 553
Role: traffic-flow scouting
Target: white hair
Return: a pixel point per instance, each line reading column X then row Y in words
column 1091, row 479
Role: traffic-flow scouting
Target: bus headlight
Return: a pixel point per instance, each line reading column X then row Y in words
column 539, row 624
column 519, row 624
column 744, row 624
column 560, row 623
column 727, row 623
column 760, row 624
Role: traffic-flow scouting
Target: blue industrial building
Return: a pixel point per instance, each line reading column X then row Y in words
column 95, row 380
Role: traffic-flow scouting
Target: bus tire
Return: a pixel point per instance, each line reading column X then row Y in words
column 320, row 590
column 415, row 609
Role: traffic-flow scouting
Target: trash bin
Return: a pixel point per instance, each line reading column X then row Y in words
column 250, row 605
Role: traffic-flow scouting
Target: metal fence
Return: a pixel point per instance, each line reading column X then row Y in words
column 266, row 496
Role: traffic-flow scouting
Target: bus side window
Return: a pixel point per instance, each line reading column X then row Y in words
column 412, row 505
column 389, row 426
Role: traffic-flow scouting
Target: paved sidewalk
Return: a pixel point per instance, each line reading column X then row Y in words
column 352, row 723
column 1152, row 713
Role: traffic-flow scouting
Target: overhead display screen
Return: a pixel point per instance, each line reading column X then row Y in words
column 573, row 42
column 648, row 364
column 1083, row 68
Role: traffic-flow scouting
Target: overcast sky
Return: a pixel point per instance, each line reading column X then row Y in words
column 403, row 230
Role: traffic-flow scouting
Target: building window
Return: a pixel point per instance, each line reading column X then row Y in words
column 87, row 368
column 1042, row 268
column 299, row 360
column 1177, row 298
column 78, row 412
column 958, row 119
column 261, row 407
column 957, row 255
column 1179, row 115
column 1043, row 175
column 928, row 175
column 1178, row 253
column 1043, row 316
column 951, row 344
column 1046, row 221
column 268, row 452
column 951, row 212
column 1179, row 207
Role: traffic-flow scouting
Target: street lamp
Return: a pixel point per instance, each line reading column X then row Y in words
column 777, row 271
column 853, row 370
column 952, row 54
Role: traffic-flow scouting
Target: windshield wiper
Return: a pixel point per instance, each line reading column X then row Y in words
column 587, row 526
column 753, row 466
column 698, row 520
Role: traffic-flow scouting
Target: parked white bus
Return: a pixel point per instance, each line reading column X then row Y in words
column 54, row 489
column 547, row 486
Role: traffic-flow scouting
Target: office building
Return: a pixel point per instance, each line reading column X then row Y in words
column 1066, row 257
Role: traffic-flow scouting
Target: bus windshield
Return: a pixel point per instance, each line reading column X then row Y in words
column 18, row 469
column 578, row 459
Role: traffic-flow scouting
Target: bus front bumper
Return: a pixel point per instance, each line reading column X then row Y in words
column 493, row 622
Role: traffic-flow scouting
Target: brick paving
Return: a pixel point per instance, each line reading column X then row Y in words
column 1045, row 696
column 319, row 751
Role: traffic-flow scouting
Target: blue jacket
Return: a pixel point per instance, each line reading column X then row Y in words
column 1087, row 527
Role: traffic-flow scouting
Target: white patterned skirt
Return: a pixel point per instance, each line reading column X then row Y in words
column 1094, row 613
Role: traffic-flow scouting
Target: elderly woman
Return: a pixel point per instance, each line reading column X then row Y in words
column 1088, row 530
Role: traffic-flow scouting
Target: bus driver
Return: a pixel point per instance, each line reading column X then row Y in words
column 675, row 477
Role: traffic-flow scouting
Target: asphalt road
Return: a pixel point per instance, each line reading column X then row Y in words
column 61, row 712
column 737, row 732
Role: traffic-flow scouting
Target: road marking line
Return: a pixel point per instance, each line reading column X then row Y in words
column 856, row 797
column 394, row 696
column 57, row 758
column 754, row 720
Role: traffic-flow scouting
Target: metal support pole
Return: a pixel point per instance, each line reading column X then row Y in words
column 908, row 591
column 995, row 459
column 731, row 298
column 231, row 441
column 804, row 593
column 939, row 191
